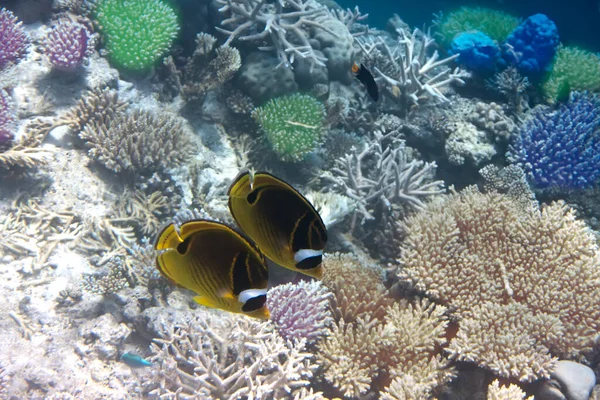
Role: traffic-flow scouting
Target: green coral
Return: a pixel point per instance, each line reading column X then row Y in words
column 136, row 32
column 573, row 69
column 292, row 124
column 496, row 24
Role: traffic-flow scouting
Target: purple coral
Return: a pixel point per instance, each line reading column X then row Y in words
column 68, row 45
column 7, row 120
column 300, row 310
column 13, row 39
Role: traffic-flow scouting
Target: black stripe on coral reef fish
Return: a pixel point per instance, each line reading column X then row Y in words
column 182, row 247
column 240, row 280
column 301, row 232
column 310, row 262
column 254, row 303
column 253, row 196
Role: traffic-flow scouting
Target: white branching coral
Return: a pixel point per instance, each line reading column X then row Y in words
column 221, row 356
column 488, row 258
column 301, row 310
column 410, row 70
column 384, row 173
column 284, row 28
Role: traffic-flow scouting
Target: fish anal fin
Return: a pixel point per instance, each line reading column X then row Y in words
column 205, row 301
column 226, row 294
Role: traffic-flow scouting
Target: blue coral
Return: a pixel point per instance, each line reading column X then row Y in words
column 477, row 51
column 560, row 148
column 532, row 45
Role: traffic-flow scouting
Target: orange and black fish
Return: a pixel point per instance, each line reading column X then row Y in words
column 282, row 223
column 364, row 76
column 222, row 266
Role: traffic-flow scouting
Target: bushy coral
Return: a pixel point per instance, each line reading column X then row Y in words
column 300, row 311
column 489, row 260
column 476, row 51
column 67, row 45
column 138, row 141
column 136, row 32
column 573, row 69
column 496, row 24
column 532, row 45
column 292, row 124
column 13, row 39
column 561, row 148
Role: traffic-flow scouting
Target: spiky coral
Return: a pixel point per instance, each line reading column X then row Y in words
column 222, row 356
column 68, row 45
column 469, row 249
column 13, row 39
column 300, row 311
column 496, row 24
column 136, row 32
column 573, row 69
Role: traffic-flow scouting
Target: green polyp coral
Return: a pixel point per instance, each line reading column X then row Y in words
column 136, row 32
column 292, row 124
column 496, row 24
column 573, row 69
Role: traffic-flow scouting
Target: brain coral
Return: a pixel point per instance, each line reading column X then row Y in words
column 483, row 255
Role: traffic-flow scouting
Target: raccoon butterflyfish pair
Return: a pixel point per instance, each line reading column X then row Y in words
column 225, row 268
column 366, row 78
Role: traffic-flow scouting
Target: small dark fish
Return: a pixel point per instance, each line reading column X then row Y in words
column 135, row 361
column 282, row 222
column 364, row 76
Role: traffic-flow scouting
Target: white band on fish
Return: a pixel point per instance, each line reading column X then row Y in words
column 248, row 294
column 303, row 254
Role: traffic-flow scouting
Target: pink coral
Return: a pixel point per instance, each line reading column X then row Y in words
column 68, row 45
column 13, row 39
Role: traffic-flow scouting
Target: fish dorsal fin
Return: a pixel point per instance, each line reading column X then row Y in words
column 168, row 238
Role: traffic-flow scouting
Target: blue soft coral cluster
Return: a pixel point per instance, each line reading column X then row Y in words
column 532, row 45
column 476, row 50
column 561, row 148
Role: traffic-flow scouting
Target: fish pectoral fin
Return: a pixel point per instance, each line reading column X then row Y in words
column 205, row 301
column 227, row 295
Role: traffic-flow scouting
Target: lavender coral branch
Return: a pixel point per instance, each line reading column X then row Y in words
column 283, row 28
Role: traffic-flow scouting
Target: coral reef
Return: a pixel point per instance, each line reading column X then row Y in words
column 573, row 69
column 494, row 23
column 68, row 45
column 476, row 51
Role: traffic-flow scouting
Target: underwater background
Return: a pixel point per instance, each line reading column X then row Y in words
column 292, row 199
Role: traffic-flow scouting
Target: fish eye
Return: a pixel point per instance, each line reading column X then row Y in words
column 254, row 303
column 182, row 247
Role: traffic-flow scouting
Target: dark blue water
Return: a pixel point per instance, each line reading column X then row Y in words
column 578, row 21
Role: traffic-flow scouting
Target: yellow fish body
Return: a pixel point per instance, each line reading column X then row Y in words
column 217, row 263
column 282, row 223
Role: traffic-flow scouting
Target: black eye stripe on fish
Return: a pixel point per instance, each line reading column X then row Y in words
column 183, row 246
column 255, row 303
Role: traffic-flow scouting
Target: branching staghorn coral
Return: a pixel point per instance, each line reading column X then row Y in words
column 143, row 210
column 380, row 175
column 31, row 229
column 26, row 153
column 410, row 71
column 139, row 141
column 285, row 28
column 510, row 392
column 300, row 310
column 225, row 356
column 470, row 249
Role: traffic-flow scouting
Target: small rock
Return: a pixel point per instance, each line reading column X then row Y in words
column 576, row 380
